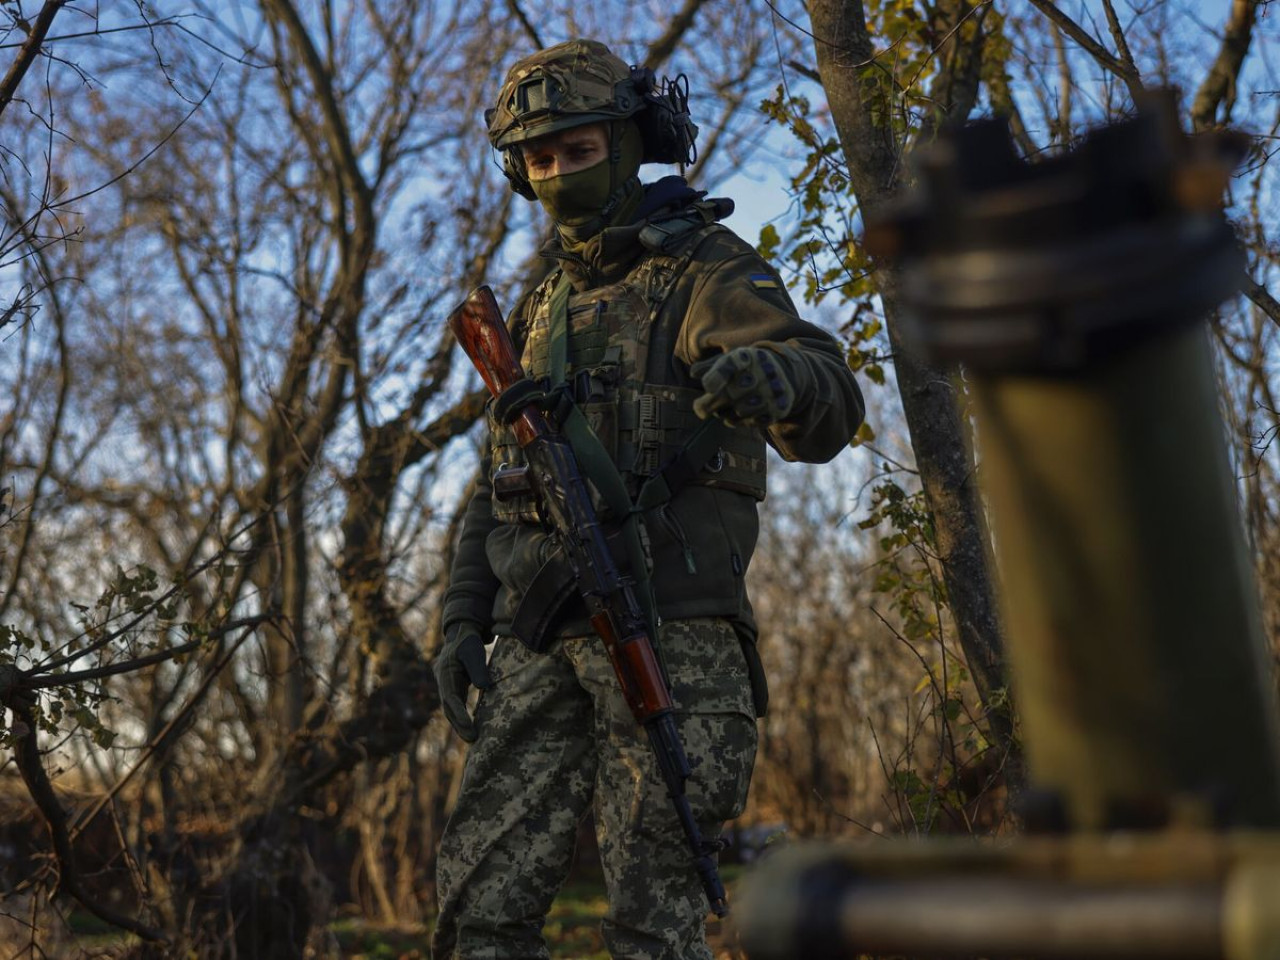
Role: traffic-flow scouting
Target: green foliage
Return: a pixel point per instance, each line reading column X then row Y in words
column 821, row 246
column 361, row 941
column 134, row 615
column 572, row 929
column 926, row 801
column 14, row 642
column 915, row 47
column 908, row 576
column 825, row 255
column 903, row 88
column 905, row 574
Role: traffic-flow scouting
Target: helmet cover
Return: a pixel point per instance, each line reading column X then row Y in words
column 580, row 82
column 564, row 86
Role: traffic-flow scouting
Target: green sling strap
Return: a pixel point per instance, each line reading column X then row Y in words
column 558, row 331
column 593, row 459
column 598, row 466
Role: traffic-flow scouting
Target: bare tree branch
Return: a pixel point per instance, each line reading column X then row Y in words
column 1061, row 123
column 1091, row 46
column 806, row 71
column 954, row 89
column 1117, row 34
column 162, row 738
column 1219, row 86
column 1263, row 300
column 30, row 766
column 30, row 50
column 335, row 130
column 97, row 32
column 518, row 12
column 661, row 49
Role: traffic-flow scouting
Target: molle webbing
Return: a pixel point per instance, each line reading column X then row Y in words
column 552, row 355
column 610, row 349
column 655, row 430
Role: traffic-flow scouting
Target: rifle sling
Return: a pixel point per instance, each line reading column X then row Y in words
column 554, row 584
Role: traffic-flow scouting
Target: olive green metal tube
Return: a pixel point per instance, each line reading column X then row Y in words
column 1194, row 895
column 999, row 917
column 1072, row 291
column 1132, row 622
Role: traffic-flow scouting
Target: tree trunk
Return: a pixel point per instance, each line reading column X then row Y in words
column 861, row 99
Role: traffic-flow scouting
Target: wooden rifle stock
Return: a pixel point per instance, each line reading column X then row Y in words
column 609, row 591
column 478, row 326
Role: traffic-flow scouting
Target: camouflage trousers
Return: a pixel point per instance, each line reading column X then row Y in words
column 555, row 738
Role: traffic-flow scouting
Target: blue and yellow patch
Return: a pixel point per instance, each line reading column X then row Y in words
column 763, row 281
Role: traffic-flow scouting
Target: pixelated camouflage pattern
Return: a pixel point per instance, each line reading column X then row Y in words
column 564, row 86
column 556, row 739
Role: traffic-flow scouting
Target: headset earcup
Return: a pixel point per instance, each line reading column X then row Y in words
column 668, row 131
column 660, row 143
column 514, row 172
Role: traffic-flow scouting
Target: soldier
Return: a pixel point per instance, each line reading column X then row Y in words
column 682, row 352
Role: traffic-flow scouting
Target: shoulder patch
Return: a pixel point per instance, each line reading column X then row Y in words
column 764, row 281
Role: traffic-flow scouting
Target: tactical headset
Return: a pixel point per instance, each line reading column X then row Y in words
column 544, row 94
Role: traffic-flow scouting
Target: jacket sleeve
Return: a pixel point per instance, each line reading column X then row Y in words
column 472, row 583
column 736, row 299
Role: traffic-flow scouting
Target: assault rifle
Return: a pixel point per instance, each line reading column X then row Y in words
column 603, row 580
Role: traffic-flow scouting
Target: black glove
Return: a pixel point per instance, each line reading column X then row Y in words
column 748, row 385
column 459, row 665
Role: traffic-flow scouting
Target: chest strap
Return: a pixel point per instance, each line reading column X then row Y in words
column 558, row 331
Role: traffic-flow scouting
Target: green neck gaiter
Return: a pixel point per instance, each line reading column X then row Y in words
column 585, row 202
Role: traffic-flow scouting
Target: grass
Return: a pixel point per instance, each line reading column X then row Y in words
column 363, row 941
column 572, row 931
column 573, row 925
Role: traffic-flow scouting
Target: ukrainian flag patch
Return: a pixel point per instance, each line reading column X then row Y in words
column 763, row 281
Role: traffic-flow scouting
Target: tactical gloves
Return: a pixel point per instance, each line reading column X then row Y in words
column 747, row 386
column 459, row 665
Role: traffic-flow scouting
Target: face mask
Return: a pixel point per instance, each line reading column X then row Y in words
column 575, row 199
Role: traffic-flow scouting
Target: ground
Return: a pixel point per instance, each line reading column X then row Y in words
column 572, row 930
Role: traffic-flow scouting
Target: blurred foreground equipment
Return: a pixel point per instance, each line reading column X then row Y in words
column 1071, row 290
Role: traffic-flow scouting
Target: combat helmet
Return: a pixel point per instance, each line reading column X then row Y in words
column 580, row 82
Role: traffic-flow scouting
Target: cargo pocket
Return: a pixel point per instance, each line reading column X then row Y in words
column 712, row 694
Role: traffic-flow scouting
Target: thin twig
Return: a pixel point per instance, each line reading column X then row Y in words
column 1090, row 44
column 162, row 735
column 80, row 35
column 27, row 755
column 149, row 154
column 518, row 12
